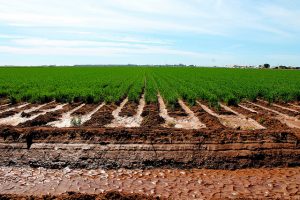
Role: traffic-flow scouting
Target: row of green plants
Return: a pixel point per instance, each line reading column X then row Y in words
column 112, row 84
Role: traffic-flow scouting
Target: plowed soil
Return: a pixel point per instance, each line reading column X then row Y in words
column 16, row 110
column 210, row 121
column 102, row 117
column 49, row 117
column 85, row 110
column 176, row 111
column 264, row 117
column 151, row 116
column 129, row 109
column 214, row 162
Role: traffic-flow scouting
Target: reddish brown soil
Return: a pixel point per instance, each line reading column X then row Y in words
column 49, row 117
column 85, row 109
column 49, row 106
column 175, row 160
column 295, row 103
column 15, row 111
column 114, row 148
column 151, row 116
column 210, row 121
column 176, row 111
column 4, row 101
column 113, row 195
column 277, row 183
column 289, row 106
column 283, row 111
column 102, row 117
column 219, row 110
column 129, row 109
column 264, row 117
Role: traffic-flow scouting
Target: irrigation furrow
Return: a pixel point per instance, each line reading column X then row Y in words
column 290, row 121
column 189, row 122
column 279, row 106
column 66, row 119
column 13, row 108
column 4, row 105
column 246, row 108
column 88, row 116
column 125, row 121
column 296, row 106
column 234, row 121
column 17, row 118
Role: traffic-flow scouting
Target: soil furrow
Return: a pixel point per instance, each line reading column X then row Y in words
column 281, row 109
column 127, row 121
column 129, row 110
column 11, row 110
column 151, row 117
column 189, row 122
column 42, row 120
column 264, row 117
column 235, row 120
column 66, row 119
column 20, row 117
column 102, row 117
column 290, row 121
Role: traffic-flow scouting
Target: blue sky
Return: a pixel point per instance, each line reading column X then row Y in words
column 201, row 32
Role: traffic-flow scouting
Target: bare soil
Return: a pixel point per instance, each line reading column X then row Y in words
column 283, row 111
column 151, row 160
column 130, row 109
column 151, row 116
column 176, row 111
column 112, row 195
column 210, row 121
column 49, row 117
column 277, row 183
column 85, row 109
column 4, row 101
column 16, row 110
column 263, row 117
column 46, row 107
column 102, row 117
column 220, row 110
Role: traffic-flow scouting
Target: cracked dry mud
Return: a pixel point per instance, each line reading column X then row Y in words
column 166, row 183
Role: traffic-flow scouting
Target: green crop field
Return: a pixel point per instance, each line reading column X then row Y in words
column 111, row 84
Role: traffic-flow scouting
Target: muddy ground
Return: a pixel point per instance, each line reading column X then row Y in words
column 278, row 183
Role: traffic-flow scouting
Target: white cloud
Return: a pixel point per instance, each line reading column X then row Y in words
column 66, row 48
column 70, row 43
column 215, row 17
column 141, row 27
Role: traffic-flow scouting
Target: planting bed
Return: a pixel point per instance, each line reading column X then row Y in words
column 151, row 149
